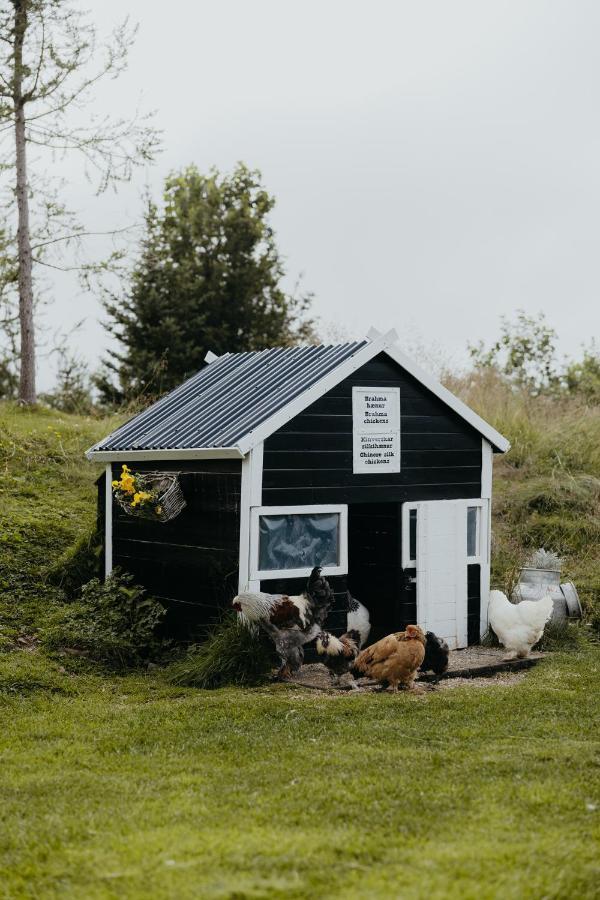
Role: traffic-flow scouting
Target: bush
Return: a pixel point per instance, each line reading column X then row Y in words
column 231, row 654
column 78, row 565
column 113, row 622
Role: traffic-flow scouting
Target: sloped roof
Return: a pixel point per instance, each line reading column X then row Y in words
column 227, row 399
column 239, row 399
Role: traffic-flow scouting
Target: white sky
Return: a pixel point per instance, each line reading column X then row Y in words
column 436, row 164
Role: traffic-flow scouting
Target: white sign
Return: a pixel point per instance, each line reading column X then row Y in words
column 375, row 430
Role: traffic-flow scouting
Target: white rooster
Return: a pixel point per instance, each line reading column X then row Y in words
column 518, row 626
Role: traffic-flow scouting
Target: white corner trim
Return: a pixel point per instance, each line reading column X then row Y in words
column 483, row 427
column 329, row 381
column 486, row 563
column 250, row 495
column 487, row 460
column 210, row 357
column 108, row 521
column 190, row 453
column 256, row 512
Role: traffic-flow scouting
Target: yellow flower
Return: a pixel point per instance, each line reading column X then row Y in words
column 158, row 510
column 116, row 484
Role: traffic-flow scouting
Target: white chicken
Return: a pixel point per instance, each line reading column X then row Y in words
column 518, row 626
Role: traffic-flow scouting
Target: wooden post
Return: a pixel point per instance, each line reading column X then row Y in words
column 108, row 521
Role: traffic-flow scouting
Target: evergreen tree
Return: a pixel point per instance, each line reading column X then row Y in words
column 208, row 278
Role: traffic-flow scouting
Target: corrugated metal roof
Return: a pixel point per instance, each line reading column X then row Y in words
column 228, row 399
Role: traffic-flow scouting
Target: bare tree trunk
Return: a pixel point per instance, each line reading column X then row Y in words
column 27, row 392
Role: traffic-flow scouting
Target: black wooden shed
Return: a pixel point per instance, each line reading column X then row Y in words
column 346, row 456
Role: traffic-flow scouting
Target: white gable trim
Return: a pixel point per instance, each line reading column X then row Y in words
column 378, row 343
column 329, row 381
column 465, row 412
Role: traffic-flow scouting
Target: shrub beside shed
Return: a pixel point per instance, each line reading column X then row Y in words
column 347, row 456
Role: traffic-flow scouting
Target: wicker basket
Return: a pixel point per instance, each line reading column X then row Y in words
column 169, row 497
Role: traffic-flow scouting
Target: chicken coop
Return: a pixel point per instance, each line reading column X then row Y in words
column 347, row 456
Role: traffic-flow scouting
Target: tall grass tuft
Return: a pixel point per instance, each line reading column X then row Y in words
column 547, row 487
column 231, row 654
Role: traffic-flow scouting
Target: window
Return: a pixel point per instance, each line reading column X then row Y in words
column 476, row 530
column 473, row 531
column 412, row 533
column 288, row 541
column 409, row 535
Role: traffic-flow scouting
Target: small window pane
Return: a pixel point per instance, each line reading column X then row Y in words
column 473, row 531
column 298, row 541
column 412, row 533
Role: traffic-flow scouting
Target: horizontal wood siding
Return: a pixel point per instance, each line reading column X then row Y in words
column 309, row 460
column 191, row 562
column 473, row 602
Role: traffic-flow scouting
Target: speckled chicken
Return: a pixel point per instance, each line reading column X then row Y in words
column 290, row 621
column 338, row 654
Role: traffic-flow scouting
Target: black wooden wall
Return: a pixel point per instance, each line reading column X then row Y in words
column 309, row 460
column 191, row 562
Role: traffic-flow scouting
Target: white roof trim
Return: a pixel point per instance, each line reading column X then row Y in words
column 329, row 381
column 183, row 453
column 484, row 428
column 378, row 343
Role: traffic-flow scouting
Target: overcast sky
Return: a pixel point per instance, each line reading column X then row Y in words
column 435, row 164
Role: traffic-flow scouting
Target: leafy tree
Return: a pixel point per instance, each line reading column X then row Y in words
column 583, row 378
column 50, row 61
column 208, row 278
column 525, row 353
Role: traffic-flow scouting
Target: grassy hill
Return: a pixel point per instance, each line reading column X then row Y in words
column 127, row 786
column 547, row 487
column 546, row 492
column 48, row 504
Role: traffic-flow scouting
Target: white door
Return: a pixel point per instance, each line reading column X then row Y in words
column 442, row 569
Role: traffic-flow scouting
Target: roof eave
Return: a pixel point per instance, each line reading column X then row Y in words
column 172, row 454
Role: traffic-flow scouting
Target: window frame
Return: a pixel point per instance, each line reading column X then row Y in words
column 479, row 531
column 257, row 574
column 480, row 537
column 407, row 562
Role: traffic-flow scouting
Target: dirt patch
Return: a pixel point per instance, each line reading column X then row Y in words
column 472, row 667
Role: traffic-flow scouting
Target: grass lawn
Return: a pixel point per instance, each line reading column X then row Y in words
column 127, row 787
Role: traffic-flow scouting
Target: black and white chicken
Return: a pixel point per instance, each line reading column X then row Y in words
column 437, row 655
column 358, row 619
column 289, row 621
column 338, row 654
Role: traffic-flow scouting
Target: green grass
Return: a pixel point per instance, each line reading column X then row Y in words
column 132, row 788
column 48, row 504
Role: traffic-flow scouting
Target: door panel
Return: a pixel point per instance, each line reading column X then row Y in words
column 442, row 569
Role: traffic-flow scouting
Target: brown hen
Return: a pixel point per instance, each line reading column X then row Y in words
column 394, row 659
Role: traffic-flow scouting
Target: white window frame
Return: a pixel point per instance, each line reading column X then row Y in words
column 257, row 574
column 481, row 537
column 407, row 562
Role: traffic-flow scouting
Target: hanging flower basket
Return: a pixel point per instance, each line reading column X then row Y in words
column 156, row 496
